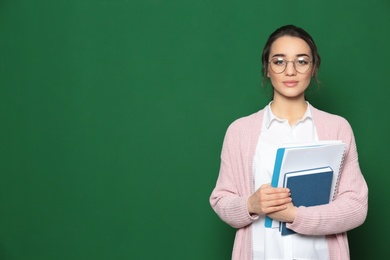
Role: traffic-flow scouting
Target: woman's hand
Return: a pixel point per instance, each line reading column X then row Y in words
column 267, row 200
column 285, row 215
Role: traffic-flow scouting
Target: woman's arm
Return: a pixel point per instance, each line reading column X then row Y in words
column 350, row 206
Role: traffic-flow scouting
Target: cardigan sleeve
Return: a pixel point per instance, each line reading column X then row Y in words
column 230, row 195
column 349, row 208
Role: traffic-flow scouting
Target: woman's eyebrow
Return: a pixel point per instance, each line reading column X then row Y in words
column 302, row 54
column 284, row 55
column 278, row 55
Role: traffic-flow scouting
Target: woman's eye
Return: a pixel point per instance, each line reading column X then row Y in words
column 302, row 62
column 279, row 62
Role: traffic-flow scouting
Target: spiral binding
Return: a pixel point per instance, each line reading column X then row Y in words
column 339, row 174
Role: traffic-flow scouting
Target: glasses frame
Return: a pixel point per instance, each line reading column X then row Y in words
column 293, row 62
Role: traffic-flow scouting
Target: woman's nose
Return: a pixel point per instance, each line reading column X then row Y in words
column 290, row 69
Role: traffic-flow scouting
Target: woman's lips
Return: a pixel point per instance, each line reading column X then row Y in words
column 290, row 83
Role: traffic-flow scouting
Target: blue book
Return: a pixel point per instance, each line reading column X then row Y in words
column 308, row 188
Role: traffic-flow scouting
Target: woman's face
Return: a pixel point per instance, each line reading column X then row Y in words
column 290, row 83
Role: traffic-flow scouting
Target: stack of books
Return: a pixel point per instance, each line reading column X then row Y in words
column 311, row 172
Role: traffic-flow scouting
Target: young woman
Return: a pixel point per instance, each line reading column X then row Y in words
column 243, row 196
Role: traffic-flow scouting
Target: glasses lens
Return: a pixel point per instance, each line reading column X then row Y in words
column 302, row 64
column 278, row 65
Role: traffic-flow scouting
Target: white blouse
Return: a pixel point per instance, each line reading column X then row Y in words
column 267, row 242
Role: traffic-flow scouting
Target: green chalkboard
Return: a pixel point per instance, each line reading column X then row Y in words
column 113, row 115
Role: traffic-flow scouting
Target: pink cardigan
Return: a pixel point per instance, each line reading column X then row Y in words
column 235, row 185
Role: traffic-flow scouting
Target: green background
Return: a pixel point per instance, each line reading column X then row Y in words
column 113, row 114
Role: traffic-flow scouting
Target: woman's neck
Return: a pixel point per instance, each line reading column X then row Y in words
column 290, row 109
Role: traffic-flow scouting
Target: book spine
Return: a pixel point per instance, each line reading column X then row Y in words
column 275, row 179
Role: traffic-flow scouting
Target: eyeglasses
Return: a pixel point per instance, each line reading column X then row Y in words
column 279, row 64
